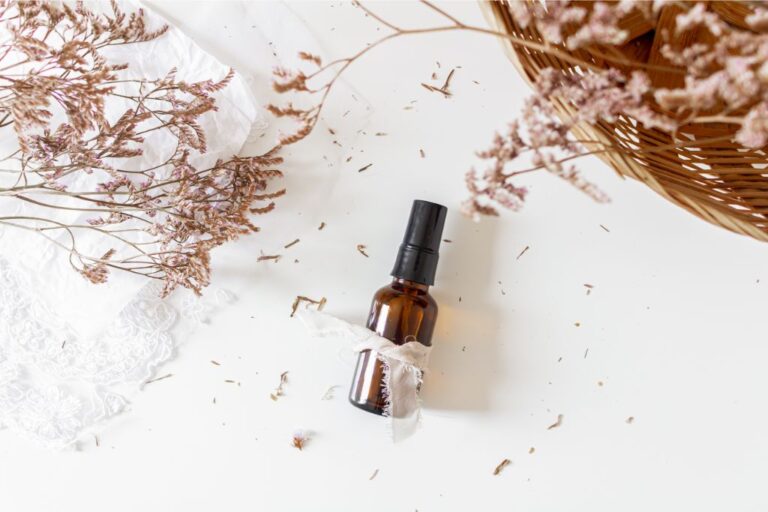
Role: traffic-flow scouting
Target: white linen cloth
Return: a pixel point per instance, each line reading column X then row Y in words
column 404, row 365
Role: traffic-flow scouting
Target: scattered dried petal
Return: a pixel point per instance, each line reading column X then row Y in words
column 300, row 439
column 504, row 463
column 556, row 423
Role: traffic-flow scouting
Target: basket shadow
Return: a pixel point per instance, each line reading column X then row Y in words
column 464, row 358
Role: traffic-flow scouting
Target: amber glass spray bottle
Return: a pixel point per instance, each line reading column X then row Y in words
column 403, row 310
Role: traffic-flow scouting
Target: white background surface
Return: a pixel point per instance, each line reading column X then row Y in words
column 674, row 327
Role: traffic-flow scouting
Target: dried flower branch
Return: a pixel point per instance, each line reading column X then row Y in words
column 326, row 75
column 160, row 221
column 724, row 80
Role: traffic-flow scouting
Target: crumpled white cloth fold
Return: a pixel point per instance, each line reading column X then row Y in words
column 404, row 366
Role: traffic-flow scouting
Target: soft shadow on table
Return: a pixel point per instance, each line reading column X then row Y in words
column 464, row 358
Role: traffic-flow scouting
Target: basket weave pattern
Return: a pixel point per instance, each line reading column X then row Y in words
column 719, row 181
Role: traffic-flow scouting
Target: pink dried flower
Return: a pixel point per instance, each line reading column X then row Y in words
column 699, row 16
column 97, row 272
column 602, row 26
column 758, row 19
column 754, row 130
column 520, row 11
column 288, row 80
column 552, row 18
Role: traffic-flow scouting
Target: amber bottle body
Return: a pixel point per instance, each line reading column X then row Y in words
column 402, row 311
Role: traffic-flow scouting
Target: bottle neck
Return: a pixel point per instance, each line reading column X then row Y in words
column 412, row 285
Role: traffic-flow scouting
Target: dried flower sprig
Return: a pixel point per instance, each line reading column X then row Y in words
column 547, row 138
column 159, row 220
column 724, row 80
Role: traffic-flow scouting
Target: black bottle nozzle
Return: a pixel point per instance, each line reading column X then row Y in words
column 418, row 254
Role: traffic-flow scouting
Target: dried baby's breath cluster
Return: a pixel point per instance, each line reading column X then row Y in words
column 722, row 77
column 159, row 220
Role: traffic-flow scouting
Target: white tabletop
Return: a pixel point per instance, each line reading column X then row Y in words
column 672, row 333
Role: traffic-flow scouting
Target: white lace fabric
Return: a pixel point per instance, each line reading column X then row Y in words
column 55, row 384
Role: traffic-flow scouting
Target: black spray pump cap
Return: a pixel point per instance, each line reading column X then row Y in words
column 418, row 254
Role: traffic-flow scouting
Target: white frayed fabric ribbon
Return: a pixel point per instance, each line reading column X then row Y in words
column 404, row 366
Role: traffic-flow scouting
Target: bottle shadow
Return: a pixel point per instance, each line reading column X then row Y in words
column 463, row 362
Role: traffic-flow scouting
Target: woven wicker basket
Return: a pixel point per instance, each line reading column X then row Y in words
column 721, row 182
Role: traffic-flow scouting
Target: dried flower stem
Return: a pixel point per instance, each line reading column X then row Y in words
column 500, row 467
column 557, row 422
column 301, row 298
column 156, row 379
